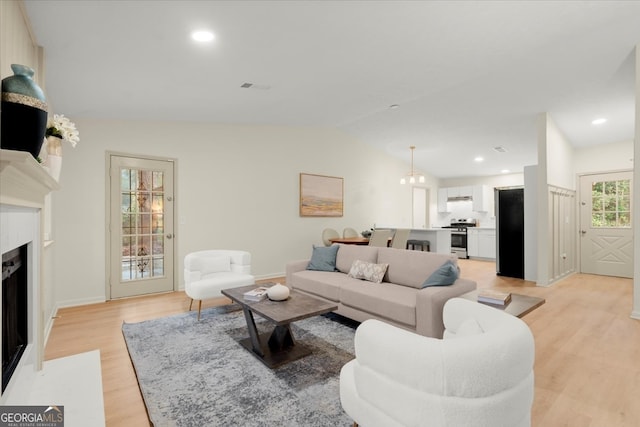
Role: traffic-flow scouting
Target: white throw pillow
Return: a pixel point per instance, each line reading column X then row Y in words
column 368, row 271
column 208, row 265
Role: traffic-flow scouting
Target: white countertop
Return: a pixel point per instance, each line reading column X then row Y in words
column 418, row 229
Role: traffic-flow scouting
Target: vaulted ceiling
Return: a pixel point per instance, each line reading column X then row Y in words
column 466, row 76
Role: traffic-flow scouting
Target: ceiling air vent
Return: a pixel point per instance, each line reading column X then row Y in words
column 499, row 149
column 248, row 85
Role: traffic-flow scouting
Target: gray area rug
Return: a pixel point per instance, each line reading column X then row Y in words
column 197, row 374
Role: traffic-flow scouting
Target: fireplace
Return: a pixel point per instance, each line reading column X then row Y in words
column 15, row 319
column 24, row 186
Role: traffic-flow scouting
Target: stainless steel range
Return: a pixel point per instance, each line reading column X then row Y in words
column 459, row 235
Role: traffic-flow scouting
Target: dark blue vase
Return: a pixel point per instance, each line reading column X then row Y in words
column 24, row 112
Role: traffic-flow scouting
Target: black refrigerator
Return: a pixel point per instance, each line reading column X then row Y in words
column 510, row 232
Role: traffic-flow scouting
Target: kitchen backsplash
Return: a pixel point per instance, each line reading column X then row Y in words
column 463, row 209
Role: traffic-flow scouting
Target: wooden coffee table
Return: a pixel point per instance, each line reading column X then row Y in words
column 278, row 347
column 518, row 306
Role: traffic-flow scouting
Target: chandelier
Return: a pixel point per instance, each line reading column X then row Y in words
column 412, row 175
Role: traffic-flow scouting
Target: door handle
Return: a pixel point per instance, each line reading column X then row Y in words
column 583, row 231
column 169, row 236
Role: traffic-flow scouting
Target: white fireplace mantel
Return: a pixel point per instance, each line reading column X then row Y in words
column 24, row 186
column 23, row 181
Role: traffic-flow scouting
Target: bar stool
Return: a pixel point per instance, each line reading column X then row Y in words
column 414, row 243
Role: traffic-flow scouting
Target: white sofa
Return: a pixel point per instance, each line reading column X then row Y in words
column 208, row 272
column 480, row 374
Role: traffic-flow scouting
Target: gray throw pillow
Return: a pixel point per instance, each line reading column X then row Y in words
column 445, row 275
column 323, row 258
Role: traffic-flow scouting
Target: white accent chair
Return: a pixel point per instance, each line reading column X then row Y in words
column 207, row 272
column 480, row 374
column 327, row 234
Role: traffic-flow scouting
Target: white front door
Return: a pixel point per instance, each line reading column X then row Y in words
column 606, row 230
column 141, row 243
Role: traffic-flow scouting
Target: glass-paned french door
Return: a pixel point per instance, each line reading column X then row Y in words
column 140, row 226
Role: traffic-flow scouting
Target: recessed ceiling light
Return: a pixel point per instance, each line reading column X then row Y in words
column 479, row 159
column 599, row 121
column 202, row 36
column 505, row 171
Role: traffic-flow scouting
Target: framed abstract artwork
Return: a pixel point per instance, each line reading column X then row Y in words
column 321, row 195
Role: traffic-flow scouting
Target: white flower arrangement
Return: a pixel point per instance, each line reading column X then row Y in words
column 62, row 127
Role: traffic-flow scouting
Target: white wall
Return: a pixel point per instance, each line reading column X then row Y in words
column 237, row 187
column 604, row 157
column 559, row 158
column 635, row 312
column 530, row 223
column 17, row 45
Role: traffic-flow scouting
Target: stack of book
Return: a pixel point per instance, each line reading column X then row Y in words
column 493, row 296
column 257, row 294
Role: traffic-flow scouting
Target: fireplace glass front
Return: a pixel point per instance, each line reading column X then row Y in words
column 14, row 310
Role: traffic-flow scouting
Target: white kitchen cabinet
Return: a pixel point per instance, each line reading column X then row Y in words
column 459, row 191
column 481, row 243
column 465, row 191
column 442, row 200
column 479, row 194
column 487, row 243
column 472, row 243
column 480, row 199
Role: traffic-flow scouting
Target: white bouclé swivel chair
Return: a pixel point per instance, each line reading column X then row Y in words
column 480, row 374
column 206, row 273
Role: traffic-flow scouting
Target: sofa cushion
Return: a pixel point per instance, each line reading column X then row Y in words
column 211, row 287
column 322, row 283
column 397, row 303
column 349, row 253
column 323, row 258
column 445, row 275
column 211, row 264
column 411, row 268
column 368, row 271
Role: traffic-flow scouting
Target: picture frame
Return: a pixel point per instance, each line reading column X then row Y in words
column 321, row 195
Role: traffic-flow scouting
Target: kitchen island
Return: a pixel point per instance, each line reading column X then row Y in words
column 439, row 238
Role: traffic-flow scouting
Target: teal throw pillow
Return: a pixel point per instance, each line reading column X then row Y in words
column 323, row 258
column 445, row 275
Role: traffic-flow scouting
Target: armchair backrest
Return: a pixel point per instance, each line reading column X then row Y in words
column 203, row 264
column 480, row 374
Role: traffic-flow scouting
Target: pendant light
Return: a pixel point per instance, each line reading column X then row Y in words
column 412, row 175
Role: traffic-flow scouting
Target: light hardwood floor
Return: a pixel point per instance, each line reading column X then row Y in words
column 587, row 369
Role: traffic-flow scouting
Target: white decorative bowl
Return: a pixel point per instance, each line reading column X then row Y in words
column 278, row 292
